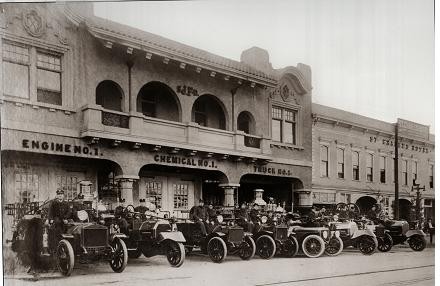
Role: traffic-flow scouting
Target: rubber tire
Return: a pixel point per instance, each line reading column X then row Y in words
column 413, row 239
column 381, row 246
column 123, row 252
column 363, row 238
column 71, row 258
column 321, row 242
column 341, row 247
column 251, row 242
column 296, row 245
column 271, row 241
column 213, row 240
column 181, row 249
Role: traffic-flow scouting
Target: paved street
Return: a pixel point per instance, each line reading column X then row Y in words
column 401, row 266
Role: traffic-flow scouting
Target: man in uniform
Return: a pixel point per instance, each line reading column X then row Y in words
column 254, row 214
column 198, row 215
column 59, row 213
column 243, row 218
column 141, row 208
column 372, row 214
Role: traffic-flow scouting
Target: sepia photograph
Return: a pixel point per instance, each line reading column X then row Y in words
column 218, row 142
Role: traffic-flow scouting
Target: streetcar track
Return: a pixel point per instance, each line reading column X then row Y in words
column 407, row 282
column 345, row 275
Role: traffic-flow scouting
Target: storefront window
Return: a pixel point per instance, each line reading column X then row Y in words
column 154, row 192
column 180, row 196
column 340, row 156
column 355, row 159
column 69, row 185
column 15, row 70
column 27, row 185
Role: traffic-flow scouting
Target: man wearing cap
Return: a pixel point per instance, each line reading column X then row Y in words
column 243, row 218
column 198, row 215
column 59, row 213
column 141, row 208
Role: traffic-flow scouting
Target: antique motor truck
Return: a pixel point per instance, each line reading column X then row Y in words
column 223, row 238
column 272, row 237
column 150, row 235
column 82, row 239
column 353, row 230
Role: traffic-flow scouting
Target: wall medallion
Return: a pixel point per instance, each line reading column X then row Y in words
column 33, row 23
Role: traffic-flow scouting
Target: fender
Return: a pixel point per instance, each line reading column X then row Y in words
column 67, row 236
column 218, row 234
column 263, row 232
column 361, row 232
column 176, row 236
column 248, row 234
column 412, row 232
column 118, row 235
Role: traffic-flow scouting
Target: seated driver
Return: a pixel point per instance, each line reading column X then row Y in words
column 199, row 216
column 58, row 215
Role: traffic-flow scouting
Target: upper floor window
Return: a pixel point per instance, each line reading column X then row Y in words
column 431, row 176
column 17, row 63
column 246, row 122
column 200, row 114
column 158, row 100
column 355, row 161
column 369, row 167
column 48, row 78
column 15, row 70
column 324, row 160
column 382, row 169
column 340, row 157
column 209, row 111
column 405, row 172
column 284, row 125
column 414, row 171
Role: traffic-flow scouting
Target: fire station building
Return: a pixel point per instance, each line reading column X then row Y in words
column 87, row 101
column 139, row 116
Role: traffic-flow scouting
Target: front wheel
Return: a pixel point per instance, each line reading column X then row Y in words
column 247, row 248
column 313, row 246
column 367, row 245
column 417, row 242
column 217, row 249
column 119, row 258
column 334, row 246
column 65, row 257
column 175, row 253
column 385, row 243
column 266, row 247
column 291, row 247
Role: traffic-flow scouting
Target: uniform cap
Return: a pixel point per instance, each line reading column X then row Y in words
column 60, row 192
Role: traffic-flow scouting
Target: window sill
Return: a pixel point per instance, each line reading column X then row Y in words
column 35, row 105
column 285, row 145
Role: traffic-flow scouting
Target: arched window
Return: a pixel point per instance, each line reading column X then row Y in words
column 156, row 99
column 208, row 111
column 246, row 122
column 109, row 95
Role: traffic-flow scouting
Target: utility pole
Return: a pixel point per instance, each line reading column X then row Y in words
column 396, row 172
column 417, row 188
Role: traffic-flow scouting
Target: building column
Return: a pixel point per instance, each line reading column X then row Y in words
column 126, row 188
column 229, row 189
column 304, row 197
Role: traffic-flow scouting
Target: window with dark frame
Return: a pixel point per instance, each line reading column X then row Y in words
column 382, row 169
column 355, row 160
column 414, row 171
column 284, row 125
column 324, row 160
column 340, row 156
column 200, row 116
column 369, row 167
column 148, row 106
column 27, row 185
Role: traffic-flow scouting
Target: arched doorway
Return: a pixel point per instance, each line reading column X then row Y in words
column 365, row 203
column 109, row 95
column 156, row 99
column 405, row 209
column 209, row 111
column 246, row 122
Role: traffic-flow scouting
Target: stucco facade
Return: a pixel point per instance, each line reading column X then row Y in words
column 141, row 116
